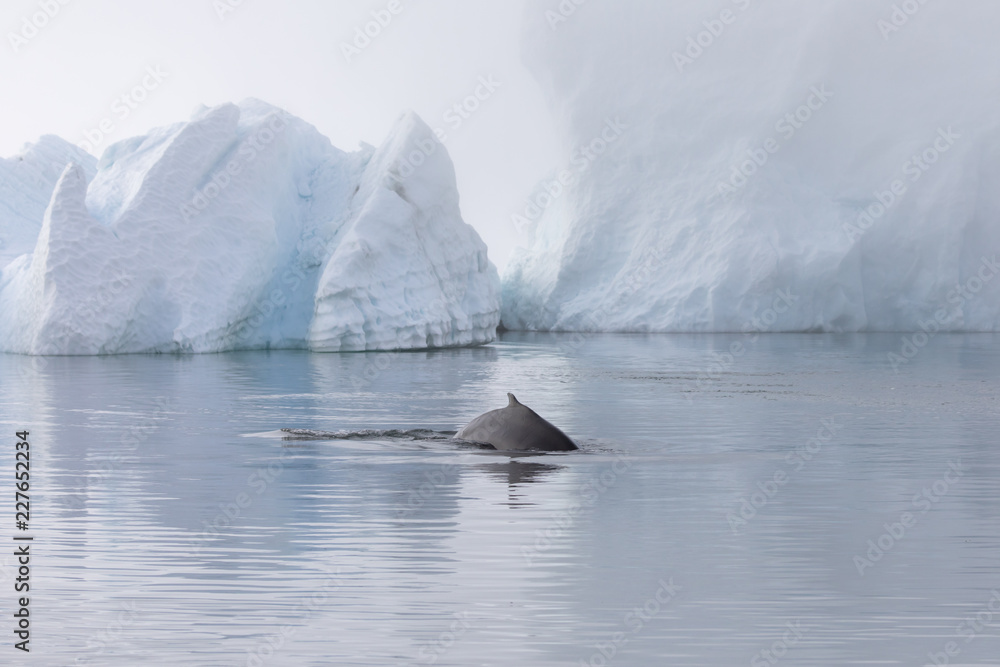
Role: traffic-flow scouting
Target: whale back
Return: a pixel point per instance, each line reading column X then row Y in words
column 516, row 428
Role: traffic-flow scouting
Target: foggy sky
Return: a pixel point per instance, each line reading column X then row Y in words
column 70, row 74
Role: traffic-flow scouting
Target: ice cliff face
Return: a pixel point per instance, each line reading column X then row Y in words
column 246, row 229
column 26, row 185
column 832, row 165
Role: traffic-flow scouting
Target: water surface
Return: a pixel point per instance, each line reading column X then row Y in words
column 719, row 507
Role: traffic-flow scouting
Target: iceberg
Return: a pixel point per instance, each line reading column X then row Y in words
column 776, row 166
column 244, row 228
column 26, row 185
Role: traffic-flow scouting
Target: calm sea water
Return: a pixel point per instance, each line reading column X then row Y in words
column 803, row 503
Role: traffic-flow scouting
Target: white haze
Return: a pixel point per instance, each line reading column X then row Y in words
column 428, row 58
column 662, row 233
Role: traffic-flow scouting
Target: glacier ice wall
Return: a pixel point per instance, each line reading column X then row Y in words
column 778, row 166
column 246, row 229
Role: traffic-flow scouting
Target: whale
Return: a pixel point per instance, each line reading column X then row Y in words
column 516, row 428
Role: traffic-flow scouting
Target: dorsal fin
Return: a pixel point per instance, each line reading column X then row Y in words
column 511, row 401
